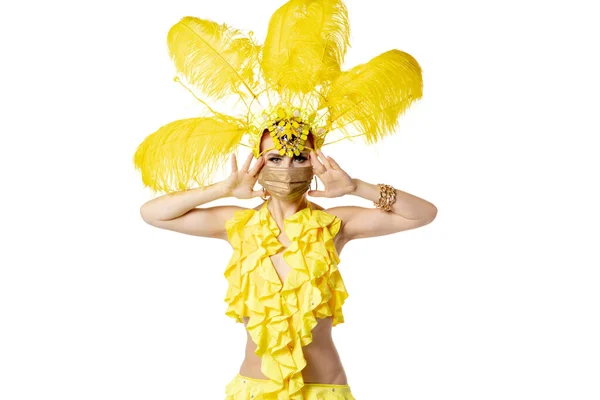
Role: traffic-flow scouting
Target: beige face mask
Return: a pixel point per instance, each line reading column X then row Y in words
column 286, row 183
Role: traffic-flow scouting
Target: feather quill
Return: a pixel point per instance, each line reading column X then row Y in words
column 215, row 58
column 371, row 97
column 187, row 151
column 305, row 45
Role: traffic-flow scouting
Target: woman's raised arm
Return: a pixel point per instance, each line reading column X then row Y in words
column 179, row 212
column 407, row 212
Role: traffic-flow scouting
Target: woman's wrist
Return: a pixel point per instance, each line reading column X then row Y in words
column 366, row 190
column 357, row 187
column 222, row 189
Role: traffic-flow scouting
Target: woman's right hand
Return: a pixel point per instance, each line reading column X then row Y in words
column 240, row 184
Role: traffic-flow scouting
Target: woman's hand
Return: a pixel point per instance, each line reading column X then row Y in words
column 337, row 182
column 240, row 184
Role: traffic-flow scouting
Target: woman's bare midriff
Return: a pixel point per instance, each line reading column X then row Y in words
column 323, row 364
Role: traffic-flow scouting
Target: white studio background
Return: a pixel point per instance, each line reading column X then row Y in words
column 496, row 299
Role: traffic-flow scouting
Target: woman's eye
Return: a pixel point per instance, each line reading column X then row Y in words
column 274, row 159
column 300, row 158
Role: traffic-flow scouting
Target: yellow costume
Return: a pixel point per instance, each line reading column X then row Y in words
column 282, row 315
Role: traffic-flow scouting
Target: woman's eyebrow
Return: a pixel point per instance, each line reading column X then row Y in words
column 303, row 153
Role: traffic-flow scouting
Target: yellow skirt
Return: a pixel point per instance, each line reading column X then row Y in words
column 245, row 388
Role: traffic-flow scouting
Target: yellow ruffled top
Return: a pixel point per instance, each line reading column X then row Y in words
column 282, row 315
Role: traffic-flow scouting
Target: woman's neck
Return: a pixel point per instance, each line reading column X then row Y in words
column 281, row 210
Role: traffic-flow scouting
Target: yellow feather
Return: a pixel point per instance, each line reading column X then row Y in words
column 301, row 66
column 214, row 57
column 371, row 97
column 187, row 151
column 305, row 45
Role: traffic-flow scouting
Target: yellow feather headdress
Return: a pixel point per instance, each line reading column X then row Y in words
column 291, row 85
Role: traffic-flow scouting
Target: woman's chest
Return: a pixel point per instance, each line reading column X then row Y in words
column 279, row 259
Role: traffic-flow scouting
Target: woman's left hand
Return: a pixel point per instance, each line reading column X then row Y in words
column 337, row 182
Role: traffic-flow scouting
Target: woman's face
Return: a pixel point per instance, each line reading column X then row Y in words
column 273, row 159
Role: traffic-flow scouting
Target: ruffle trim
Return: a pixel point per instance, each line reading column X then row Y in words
column 282, row 316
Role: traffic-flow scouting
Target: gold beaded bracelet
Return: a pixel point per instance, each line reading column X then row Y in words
column 387, row 197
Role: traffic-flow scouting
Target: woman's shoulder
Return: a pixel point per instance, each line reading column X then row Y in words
column 316, row 206
column 238, row 213
column 336, row 216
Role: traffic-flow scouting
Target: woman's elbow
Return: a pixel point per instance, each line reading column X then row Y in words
column 431, row 214
column 146, row 214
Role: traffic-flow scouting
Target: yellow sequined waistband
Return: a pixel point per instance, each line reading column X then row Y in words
column 245, row 387
column 239, row 376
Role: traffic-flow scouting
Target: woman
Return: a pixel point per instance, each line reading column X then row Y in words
column 284, row 284
column 323, row 370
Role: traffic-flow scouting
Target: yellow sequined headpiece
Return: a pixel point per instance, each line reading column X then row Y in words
column 290, row 86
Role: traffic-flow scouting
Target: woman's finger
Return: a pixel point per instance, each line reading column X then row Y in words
column 317, row 166
column 233, row 163
column 316, row 193
column 246, row 163
column 333, row 163
column 257, row 166
column 325, row 160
